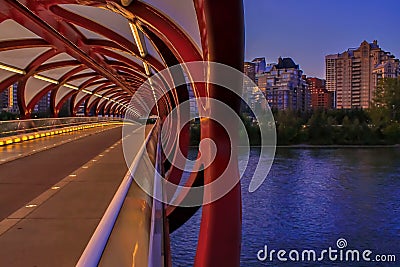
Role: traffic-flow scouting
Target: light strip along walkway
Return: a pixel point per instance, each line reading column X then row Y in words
column 18, row 150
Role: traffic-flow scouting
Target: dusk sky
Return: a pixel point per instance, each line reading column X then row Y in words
column 307, row 30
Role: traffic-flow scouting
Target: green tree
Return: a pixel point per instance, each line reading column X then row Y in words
column 4, row 116
column 387, row 97
column 288, row 127
column 320, row 128
column 392, row 133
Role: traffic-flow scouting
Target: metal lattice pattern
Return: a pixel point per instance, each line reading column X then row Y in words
column 93, row 53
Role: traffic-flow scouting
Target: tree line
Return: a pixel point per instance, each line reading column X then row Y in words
column 378, row 125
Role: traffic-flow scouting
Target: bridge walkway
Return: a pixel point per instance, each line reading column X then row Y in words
column 51, row 202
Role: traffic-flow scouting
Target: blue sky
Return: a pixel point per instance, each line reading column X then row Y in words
column 307, row 30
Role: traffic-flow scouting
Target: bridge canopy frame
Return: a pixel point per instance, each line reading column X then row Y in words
column 66, row 52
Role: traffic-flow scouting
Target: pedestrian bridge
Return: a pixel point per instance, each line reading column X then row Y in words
column 68, row 197
column 69, row 183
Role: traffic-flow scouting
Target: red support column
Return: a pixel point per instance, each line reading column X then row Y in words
column 220, row 231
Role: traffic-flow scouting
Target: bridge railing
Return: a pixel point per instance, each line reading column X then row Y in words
column 16, row 127
column 157, row 255
column 130, row 232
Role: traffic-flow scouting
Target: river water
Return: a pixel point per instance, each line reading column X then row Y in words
column 310, row 199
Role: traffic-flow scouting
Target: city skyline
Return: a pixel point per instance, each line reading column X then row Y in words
column 309, row 30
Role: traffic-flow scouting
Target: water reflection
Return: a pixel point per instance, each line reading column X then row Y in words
column 311, row 198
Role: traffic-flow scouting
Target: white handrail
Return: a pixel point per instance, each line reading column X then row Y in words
column 92, row 254
column 155, row 258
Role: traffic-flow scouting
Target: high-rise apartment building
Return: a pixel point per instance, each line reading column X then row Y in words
column 321, row 98
column 330, row 74
column 259, row 64
column 251, row 94
column 8, row 99
column 259, row 67
column 43, row 105
column 250, row 70
column 284, row 86
column 4, row 100
column 353, row 74
column 390, row 68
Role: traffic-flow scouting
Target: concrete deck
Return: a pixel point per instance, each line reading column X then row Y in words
column 52, row 228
